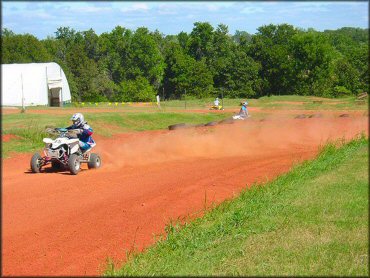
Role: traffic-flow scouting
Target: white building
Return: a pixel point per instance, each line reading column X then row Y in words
column 34, row 84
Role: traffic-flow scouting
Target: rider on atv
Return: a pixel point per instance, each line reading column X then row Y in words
column 84, row 131
column 243, row 110
column 216, row 102
column 216, row 105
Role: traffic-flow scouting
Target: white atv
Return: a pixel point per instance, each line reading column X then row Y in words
column 240, row 117
column 64, row 151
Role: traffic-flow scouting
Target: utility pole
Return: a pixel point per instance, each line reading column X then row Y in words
column 222, row 97
column 23, row 108
column 185, row 99
column 61, row 89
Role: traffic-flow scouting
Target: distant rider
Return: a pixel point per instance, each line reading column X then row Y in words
column 243, row 110
column 84, row 131
column 216, row 102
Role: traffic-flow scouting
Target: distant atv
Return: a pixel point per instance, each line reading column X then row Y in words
column 64, row 151
column 240, row 117
column 216, row 107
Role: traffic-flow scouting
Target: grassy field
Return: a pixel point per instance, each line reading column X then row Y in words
column 310, row 221
column 271, row 102
column 311, row 103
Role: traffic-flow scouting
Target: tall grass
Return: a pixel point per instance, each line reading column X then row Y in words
column 29, row 129
column 32, row 132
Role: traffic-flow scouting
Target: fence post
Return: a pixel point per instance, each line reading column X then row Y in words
column 222, row 98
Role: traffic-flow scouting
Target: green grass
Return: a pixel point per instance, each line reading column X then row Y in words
column 310, row 221
column 272, row 102
column 267, row 102
column 282, row 102
column 152, row 121
column 30, row 129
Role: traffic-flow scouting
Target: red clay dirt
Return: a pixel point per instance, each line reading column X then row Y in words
column 8, row 137
column 58, row 224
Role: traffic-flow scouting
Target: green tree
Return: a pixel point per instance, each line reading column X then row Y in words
column 91, row 42
column 353, row 46
column 114, row 48
column 183, row 72
column 244, row 81
column 221, row 56
column 183, row 39
column 85, row 73
column 138, row 89
column 22, row 49
column 201, row 41
column 313, row 58
column 135, row 65
column 145, row 58
column 242, row 37
column 346, row 75
column 270, row 47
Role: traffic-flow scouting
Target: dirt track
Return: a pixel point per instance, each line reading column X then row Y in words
column 58, row 224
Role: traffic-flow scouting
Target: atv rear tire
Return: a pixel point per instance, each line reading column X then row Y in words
column 94, row 162
column 74, row 164
column 36, row 163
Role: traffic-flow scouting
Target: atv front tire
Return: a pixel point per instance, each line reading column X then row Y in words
column 36, row 163
column 94, row 162
column 74, row 164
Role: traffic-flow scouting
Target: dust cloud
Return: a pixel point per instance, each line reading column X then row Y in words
column 245, row 138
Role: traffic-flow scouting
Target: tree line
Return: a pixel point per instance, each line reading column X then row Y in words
column 127, row 65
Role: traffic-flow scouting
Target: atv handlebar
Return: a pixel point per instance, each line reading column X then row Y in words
column 63, row 132
column 73, row 133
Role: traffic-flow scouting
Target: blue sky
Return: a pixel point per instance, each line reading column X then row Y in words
column 42, row 19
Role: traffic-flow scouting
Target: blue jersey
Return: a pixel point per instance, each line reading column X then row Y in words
column 243, row 111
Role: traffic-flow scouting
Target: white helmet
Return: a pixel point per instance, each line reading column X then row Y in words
column 78, row 119
column 245, row 103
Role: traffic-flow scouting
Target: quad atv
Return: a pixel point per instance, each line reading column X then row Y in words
column 64, row 152
column 216, row 107
column 240, row 117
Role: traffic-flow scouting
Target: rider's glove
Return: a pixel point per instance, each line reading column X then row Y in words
column 79, row 131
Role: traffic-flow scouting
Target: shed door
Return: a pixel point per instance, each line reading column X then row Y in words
column 55, row 91
column 54, row 97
